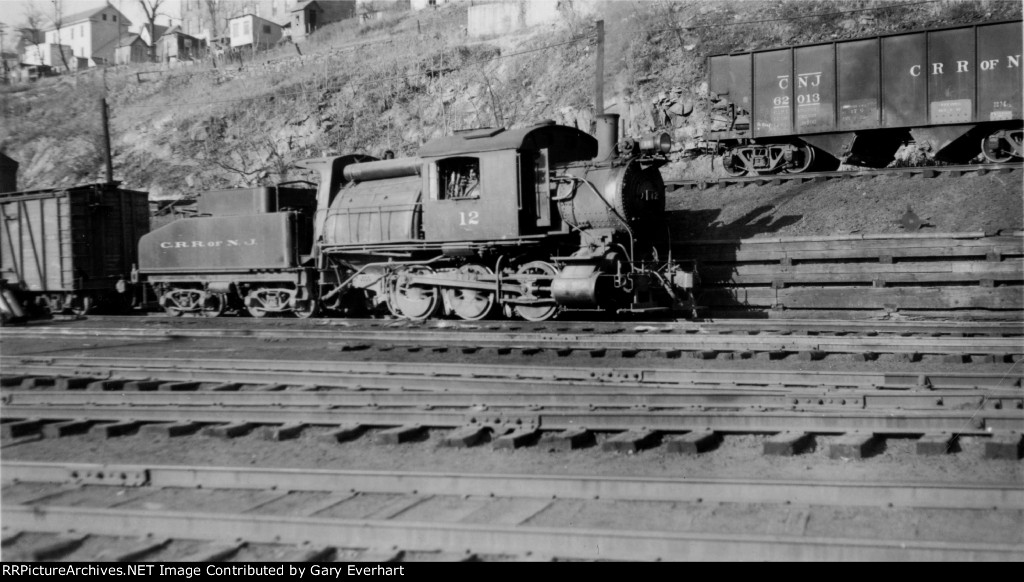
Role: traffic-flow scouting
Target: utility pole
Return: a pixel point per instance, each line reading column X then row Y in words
column 599, row 71
column 106, row 141
column 3, row 81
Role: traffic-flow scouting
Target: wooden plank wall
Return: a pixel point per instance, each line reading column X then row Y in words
column 887, row 273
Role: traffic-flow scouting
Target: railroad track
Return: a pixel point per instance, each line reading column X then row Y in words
column 986, row 343
column 901, row 327
column 561, row 407
column 954, row 171
column 188, row 513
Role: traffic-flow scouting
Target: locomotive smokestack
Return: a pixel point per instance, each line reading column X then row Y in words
column 607, row 135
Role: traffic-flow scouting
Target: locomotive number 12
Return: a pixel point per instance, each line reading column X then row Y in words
column 471, row 217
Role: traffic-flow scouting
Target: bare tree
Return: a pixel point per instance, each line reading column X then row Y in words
column 32, row 26
column 152, row 10
column 57, row 18
column 213, row 8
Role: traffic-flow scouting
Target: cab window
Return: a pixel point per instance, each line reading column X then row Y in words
column 458, row 178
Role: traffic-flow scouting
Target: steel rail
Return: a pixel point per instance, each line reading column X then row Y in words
column 569, row 542
column 631, row 341
column 909, row 422
column 711, row 326
column 529, row 400
column 334, row 373
column 834, row 493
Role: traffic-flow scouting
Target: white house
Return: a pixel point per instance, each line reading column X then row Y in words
column 93, row 35
column 249, row 29
column 421, row 4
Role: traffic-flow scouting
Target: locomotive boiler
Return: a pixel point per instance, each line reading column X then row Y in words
column 792, row 109
column 515, row 222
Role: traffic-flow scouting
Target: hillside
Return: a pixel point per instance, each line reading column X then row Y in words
column 418, row 75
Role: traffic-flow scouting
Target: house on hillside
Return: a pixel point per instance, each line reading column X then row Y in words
column 487, row 17
column 251, row 30
column 309, row 15
column 93, row 35
column 132, row 50
column 49, row 56
column 175, row 46
column 150, row 35
column 421, row 4
column 209, row 19
column 29, row 73
column 28, row 38
column 9, row 66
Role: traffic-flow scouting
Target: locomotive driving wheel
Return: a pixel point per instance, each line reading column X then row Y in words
column 471, row 304
column 306, row 309
column 531, row 274
column 409, row 300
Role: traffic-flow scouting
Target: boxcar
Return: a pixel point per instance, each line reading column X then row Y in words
column 957, row 89
column 74, row 248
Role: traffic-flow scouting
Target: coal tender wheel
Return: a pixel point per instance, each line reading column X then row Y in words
column 254, row 303
column 471, row 304
column 536, row 312
column 411, row 301
column 307, row 309
column 214, row 304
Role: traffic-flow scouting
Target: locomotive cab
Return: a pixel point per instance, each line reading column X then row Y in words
column 493, row 184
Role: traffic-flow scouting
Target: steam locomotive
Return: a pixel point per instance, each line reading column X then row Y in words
column 793, row 109
column 519, row 222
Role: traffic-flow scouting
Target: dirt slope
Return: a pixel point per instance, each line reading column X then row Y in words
column 970, row 203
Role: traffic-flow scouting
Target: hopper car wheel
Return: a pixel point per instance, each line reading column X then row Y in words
column 536, row 312
column 807, row 153
column 734, row 168
column 308, row 310
column 81, row 305
column 411, row 301
column 471, row 304
column 214, row 305
column 1001, row 153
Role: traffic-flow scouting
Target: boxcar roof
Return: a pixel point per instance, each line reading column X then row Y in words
column 537, row 136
